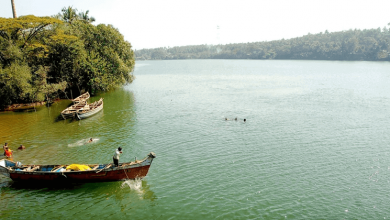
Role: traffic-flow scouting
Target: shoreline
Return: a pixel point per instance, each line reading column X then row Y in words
column 26, row 106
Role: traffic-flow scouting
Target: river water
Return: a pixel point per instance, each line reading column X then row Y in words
column 315, row 144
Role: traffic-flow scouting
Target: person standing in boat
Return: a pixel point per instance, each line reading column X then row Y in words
column 116, row 156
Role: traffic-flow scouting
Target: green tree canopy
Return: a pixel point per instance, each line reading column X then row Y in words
column 45, row 57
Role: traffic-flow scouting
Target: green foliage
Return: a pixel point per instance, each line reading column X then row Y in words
column 14, row 83
column 345, row 45
column 43, row 57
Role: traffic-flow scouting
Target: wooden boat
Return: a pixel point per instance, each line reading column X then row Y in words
column 90, row 109
column 81, row 98
column 97, row 173
column 78, row 103
column 70, row 112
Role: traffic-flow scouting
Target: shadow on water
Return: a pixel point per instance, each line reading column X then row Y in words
column 118, row 190
column 59, row 118
column 44, row 185
column 132, row 185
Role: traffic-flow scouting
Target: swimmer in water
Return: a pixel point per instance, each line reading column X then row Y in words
column 90, row 140
column 22, row 147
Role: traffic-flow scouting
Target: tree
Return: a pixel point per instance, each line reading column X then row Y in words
column 13, row 9
column 85, row 17
column 42, row 57
column 68, row 14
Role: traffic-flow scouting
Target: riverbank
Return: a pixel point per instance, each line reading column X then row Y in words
column 26, row 106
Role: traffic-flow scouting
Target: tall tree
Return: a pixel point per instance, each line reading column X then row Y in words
column 68, row 14
column 85, row 17
column 13, row 8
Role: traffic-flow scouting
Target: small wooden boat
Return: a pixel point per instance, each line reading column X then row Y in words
column 70, row 112
column 78, row 103
column 95, row 173
column 90, row 109
column 81, row 98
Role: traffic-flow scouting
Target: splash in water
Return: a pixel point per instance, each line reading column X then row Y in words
column 135, row 185
column 83, row 142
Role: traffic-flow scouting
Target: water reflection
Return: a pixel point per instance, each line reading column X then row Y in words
column 58, row 199
column 116, row 190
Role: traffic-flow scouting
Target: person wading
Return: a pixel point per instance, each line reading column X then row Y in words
column 4, row 147
column 8, row 152
column 116, row 156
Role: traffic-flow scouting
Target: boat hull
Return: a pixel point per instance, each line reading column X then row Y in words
column 89, row 113
column 81, row 176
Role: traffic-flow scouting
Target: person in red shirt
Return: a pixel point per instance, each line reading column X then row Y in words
column 8, row 152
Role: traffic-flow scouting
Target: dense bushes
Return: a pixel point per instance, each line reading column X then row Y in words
column 46, row 57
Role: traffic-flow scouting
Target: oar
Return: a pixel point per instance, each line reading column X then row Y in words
column 106, row 167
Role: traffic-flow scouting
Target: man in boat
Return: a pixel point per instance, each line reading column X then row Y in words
column 116, row 156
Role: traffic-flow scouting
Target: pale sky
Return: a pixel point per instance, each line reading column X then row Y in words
column 168, row 23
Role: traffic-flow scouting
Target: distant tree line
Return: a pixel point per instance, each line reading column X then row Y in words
column 370, row 45
column 42, row 58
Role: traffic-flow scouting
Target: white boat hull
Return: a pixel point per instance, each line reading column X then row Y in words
column 89, row 113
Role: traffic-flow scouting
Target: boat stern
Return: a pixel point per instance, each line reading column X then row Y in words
column 3, row 167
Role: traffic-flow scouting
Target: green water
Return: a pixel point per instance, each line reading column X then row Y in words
column 315, row 144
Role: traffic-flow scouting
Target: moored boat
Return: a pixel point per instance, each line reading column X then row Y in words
column 79, row 103
column 70, row 112
column 82, row 98
column 94, row 173
column 90, row 109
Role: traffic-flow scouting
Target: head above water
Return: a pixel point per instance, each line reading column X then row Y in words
column 119, row 148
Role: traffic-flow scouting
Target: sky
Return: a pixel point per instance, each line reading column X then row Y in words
column 169, row 23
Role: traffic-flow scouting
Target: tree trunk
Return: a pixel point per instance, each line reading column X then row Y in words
column 13, row 8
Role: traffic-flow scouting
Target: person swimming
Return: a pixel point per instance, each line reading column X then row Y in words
column 90, row 140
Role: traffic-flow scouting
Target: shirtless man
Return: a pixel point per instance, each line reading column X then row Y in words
column 4, row 147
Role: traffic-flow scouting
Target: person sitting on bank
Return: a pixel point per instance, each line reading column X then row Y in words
column 8, row 152
column 116, row 156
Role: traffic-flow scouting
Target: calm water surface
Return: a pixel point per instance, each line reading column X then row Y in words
column 315, row 144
